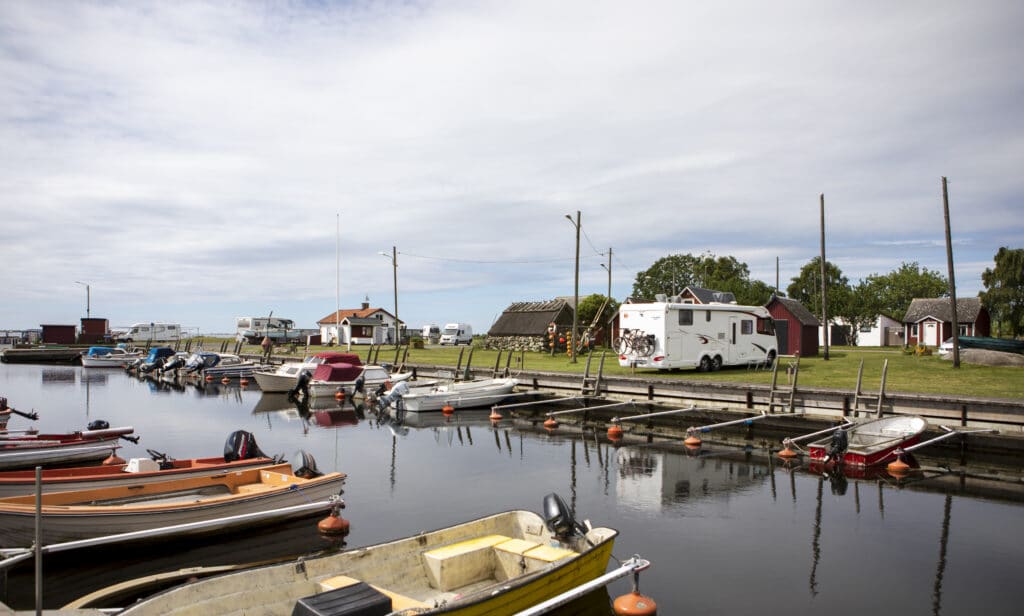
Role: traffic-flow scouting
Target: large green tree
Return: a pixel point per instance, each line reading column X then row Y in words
column 671, row 274
column 589, row 306
column 806, row 288
column 1004, row 288
column 890, row 294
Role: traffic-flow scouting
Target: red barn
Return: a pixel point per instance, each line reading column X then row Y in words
column 795, row 327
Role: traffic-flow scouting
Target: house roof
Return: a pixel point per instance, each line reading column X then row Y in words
column 967, row 309
column 531, row 318
column 798, row 310
column 707, row 296
column 363, row 321
column 348, row 313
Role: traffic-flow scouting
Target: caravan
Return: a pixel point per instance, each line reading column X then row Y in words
column 431, row 334
column 151, row 332
column 457, row 333
column 669, row 335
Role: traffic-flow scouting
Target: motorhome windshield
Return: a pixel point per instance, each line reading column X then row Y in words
column 451, row 330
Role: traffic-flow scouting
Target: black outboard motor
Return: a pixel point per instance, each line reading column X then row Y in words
column 175, row 362
column 241, row 445
column 308, row 470
column 837, row 446
column 301, row 385
column 98, row 424
column 559, row 520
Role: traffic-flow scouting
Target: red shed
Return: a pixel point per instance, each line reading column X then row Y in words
column 94, row 331
column 58, row 334
column 795, row 327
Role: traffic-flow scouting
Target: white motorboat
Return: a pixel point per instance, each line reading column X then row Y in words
column 108, row 357
column 457, row 395
column 285, row 377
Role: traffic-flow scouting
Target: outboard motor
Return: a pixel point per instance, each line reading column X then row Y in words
column 241, row 445
column 308, row 470
column 98, row 424
column 301, row 385
column 175, row 362
column 396, row 393
column 838, row 445
column 558, row 518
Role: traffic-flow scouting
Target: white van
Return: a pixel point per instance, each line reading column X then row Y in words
column 668, row 335
column 151, row 332
column 457, row 333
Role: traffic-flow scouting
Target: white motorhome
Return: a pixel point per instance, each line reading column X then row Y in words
column 457, row 333
column 151, row 332
column 669, row 335
column 254, row 329
column 431, row 333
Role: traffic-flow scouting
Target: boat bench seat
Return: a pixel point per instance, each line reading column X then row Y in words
column 398, row 602
column 489, row 557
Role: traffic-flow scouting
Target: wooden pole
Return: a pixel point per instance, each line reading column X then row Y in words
column 824, row 296
column 952, row 278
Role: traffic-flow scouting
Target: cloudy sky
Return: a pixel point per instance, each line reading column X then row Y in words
column 194, row 161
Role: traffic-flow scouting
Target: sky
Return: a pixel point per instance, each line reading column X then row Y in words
column 193, row 162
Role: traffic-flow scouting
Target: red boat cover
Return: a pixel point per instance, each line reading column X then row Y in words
column 333, row 357
column 337, row 372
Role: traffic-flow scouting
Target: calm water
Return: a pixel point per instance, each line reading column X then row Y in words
column 728, row 529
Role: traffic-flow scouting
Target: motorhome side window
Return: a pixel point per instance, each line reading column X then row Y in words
column 686, row 317
column 746, row 326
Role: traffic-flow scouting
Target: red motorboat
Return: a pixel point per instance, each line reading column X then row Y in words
column 92, row 445
column 869, row 443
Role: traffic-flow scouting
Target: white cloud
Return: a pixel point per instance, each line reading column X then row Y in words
column 191, row 157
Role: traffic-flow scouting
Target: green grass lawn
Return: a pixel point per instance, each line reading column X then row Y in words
column 907, row 373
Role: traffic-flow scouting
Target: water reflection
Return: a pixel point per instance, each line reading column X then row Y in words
column 58, row 376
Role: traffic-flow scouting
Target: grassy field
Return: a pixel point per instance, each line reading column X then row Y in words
column 906, row 373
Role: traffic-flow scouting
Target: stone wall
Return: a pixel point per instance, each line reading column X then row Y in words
column 517, row 343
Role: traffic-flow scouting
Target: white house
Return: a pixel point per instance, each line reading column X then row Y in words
column 884, row 331
column 363, row 325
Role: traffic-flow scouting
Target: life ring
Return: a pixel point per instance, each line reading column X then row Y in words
column 552, row 327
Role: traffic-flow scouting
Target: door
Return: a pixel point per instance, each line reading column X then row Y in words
column 733, row 352
column 782, row 336
column 930, row 337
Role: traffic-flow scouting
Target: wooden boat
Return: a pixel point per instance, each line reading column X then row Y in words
column 29, row 450
column 458, row 395
column 158, row 467
column 869, row 443
column 285, row 377
column 500, row 564
column 97, row 512
column 108, row 357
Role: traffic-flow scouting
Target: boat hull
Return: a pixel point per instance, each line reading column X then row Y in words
column 28, row 457
column 412, row 572
column 459, row 395
column 83, row 514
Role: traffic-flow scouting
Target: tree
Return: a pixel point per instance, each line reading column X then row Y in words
column 1004, row 288
column 892, row 293
column 671, row 274
column 806, row 288
column 589, row 306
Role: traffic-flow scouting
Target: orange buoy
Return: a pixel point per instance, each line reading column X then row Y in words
column 495, row 415
column 333, row 524
column 897, row 467
column 787, row 453
column 692, row 440
column 634, row 603
column 225, row 380
column 243, row 382
column 339, row 395
column 209, row 377
column 615, row 431
column 447, row 409
column 113, row 460
column 551, row 423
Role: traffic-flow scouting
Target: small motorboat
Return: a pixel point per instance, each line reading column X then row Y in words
column 499, row 564
column 91, row 445
column 240, row 451
column 284, row 378
column 221, row 500
column 108, row 357
column 154, row 360
column 216, row 366
column 869, row 443
column 329, row 379
column 457, row 395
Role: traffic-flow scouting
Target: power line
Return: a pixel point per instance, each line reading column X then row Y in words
column 485, row 261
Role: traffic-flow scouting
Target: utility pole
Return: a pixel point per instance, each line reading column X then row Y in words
column 824, row 296
column 394, row 267
column 952, row 279
column 576, row 290
column 88, row 300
